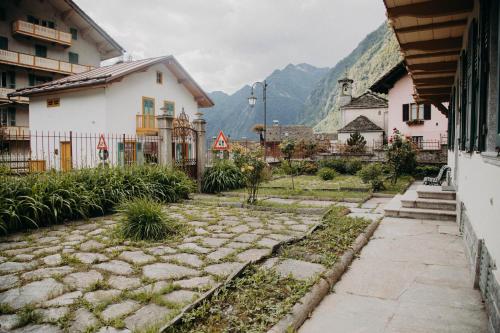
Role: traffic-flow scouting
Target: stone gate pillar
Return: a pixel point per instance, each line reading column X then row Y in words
column 165, row 128
column 201, row 154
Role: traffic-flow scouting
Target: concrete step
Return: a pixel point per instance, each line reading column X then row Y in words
column 434, row 192
column 411, row 200
column 396, row 209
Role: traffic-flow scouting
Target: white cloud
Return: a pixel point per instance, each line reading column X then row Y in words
column 225, row 44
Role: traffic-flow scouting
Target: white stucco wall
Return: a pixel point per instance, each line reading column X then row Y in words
column 124, row 98
column 402, row 93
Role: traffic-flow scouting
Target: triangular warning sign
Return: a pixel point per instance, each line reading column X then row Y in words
column 102, row 143
column 221, row 143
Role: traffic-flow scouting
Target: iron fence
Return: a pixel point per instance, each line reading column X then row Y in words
column 63, row 151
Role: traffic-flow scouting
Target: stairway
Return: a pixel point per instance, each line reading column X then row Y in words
column 424, row 203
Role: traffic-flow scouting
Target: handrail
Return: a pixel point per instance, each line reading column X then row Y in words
column 42, row 32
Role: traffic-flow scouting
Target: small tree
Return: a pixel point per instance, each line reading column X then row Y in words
column 287, row 148
column 401, row 157
column 253, row 167
column 356, row 143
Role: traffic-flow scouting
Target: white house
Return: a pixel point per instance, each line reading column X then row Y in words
column 120, row 101
column 366, row 114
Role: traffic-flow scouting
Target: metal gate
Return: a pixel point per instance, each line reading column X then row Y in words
column 184, row 144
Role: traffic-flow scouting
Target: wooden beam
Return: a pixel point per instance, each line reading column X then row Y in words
column 446, row 44
column 199, row 98
column 441, row 107
column 435, row 8
column 435, row 80
column 67, row 14
column 437, row 91
column 181, row 81
column 432, row 26
column 434, row 66
column 433, row 55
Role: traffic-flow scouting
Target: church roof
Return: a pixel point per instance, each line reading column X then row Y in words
column 360, row 124
column 367, row 101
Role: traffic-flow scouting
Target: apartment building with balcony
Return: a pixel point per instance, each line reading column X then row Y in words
column 41, row 41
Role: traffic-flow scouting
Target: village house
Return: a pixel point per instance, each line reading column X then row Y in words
column 278, row 133
column 423, row 123
column 366, row 114
column 41, row 41
column 120, row 101
column 451, row 50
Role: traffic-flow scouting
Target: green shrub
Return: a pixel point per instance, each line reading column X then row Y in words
column 352, row 166
column 50, row 198
column 427, row 170
column 308, row 168
column 144, row 219
column 222, row 176
column 373, row 174
column 401, row 157
column 338, row 165
column 327, row 173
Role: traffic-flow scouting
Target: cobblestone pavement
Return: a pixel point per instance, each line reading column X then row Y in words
column 78, row 276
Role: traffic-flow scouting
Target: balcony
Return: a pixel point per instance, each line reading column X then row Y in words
column 5, row 91
column 146, row 125
column 45, row 64
column 40, row 32
column 15, row 133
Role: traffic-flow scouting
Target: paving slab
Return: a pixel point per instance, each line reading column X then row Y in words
column 148, row 315
column 298, row 269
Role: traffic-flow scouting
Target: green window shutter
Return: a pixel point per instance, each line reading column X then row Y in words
column 463, row 99
column 12, row 116
column 74, row 33
column 41, row 51
column 471, row 139
column 406, row 112
column 73, row 58
column 31, row 79
column 427, row 112
column 484, row 56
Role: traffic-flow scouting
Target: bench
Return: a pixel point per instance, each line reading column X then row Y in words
column 436, row 181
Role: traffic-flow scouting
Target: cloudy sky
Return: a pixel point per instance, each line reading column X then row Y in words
column 225, row 44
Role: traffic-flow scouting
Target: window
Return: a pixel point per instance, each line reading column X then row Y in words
column 416, row 112
column 53, row 102
column 4, row 43
column 159, row 77
column 38, row 79
column 170, row 107
column 74, row 33
column 148, row 106
column 73, row 57
column 418, row 141
column 3, row 14
column 41, row 51
column 48, row 24
column 8, row 116
column 33, row 20
column 8, row 79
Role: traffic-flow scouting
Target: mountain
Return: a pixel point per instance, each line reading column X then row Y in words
column 287, row 91
column 374, row 55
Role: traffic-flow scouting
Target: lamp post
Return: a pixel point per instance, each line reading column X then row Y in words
column 252, row 100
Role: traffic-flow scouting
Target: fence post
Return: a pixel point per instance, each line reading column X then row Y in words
column 199, row 125
column 165, row 128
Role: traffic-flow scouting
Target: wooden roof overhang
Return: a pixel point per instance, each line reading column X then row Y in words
column 430, row 35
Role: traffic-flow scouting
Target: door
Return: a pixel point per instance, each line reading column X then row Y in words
column 148, row 112
column 66, row 158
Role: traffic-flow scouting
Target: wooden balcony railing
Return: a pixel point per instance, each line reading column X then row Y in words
column 40, row 32
column 46, row 64
column 5, row 91
column 15, row 133
column 146, row 124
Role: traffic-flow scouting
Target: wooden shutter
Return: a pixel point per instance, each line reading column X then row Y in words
column 472, row 87
column 427, row 112
column 463, row 101
column 484, row 56
column 406, row 112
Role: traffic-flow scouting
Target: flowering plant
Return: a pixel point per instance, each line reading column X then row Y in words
column 253, row 167
column 400, row 154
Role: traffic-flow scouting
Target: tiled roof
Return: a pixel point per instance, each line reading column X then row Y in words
column 291, row 132
column 367, row 101
column 108, row 74
column 360, row 124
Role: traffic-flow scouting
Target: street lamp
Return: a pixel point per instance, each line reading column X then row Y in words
column 252, row 100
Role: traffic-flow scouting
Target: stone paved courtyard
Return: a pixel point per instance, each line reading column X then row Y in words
column 80, row 275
